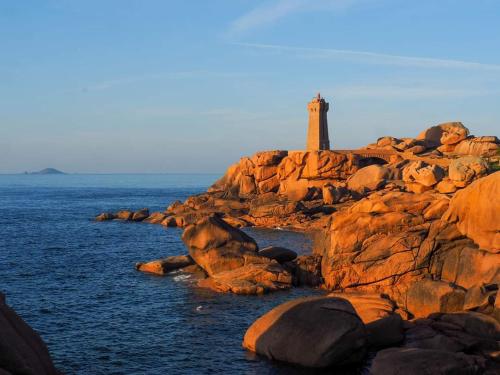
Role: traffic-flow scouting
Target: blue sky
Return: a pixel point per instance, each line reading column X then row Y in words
column 191, row 86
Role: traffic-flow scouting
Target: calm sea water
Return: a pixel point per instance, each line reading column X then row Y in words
column 74, row 281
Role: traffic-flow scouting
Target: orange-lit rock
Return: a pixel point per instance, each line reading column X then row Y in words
column 446, row 186
column 423, row 173
column 478, row 146
column 140, row 215
column 165, row 265
column 428, row 296
column 124, row 215
column 253, row 278
column 105, row 216
column 449, row 133
column 216, row 246
column 368, row 179
column 155, row 218
column 467, row 169
column 476, row 212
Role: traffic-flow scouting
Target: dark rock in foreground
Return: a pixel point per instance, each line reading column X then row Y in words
column 311, row 332
column 22, row 351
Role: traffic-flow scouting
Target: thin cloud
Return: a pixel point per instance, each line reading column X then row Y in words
column 266, row 14
column 372, row 57
column 108, row 84
column 405, row 92
column 273, row 11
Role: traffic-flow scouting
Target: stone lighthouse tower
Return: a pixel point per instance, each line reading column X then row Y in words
column 317, row 133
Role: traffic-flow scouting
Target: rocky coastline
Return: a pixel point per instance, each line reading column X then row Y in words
column 407, row 249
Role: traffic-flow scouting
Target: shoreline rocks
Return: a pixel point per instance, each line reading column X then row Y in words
column 408, row 248
column 165, row 265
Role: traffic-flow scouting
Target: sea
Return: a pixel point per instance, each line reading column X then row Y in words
column 73, row 279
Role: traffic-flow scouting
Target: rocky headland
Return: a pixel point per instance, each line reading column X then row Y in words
column 406, row 246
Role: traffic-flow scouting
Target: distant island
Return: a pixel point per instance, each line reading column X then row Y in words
column 46, row 171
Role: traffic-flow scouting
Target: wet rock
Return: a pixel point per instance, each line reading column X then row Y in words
column 22, row 351
column 310, row 332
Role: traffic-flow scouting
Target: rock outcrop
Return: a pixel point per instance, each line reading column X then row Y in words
column 478, row 146
column 418, row 248
column 449, row 133
column 216, row 246
column 476, row 212
column 230, row 258
column 312, row 332
column 22, row 351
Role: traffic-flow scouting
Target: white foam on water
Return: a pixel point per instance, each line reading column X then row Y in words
column 182, row 277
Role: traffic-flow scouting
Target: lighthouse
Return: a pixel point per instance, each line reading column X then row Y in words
column 317, row 133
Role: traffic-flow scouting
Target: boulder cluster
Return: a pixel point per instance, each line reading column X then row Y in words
column 407, row 246
column 225, row 259
column 357, row 330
